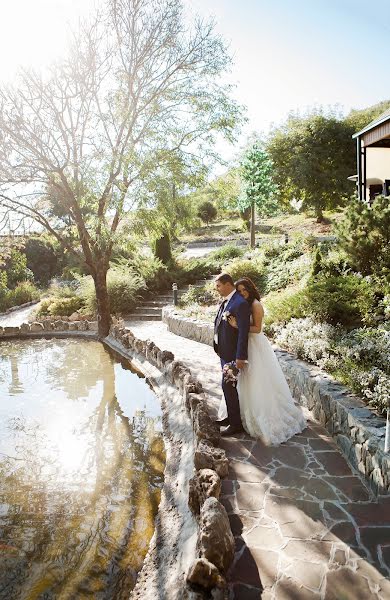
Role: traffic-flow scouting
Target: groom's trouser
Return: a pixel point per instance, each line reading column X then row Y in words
column 232, row 402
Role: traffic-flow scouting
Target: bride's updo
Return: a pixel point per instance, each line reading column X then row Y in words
column 250, row 288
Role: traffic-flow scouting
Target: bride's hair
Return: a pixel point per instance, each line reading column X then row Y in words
column 250, row 288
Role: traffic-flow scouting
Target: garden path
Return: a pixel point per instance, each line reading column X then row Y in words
column 305, row 524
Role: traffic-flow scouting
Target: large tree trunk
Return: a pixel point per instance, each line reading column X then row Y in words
column 102, row 301
column 253, row 224
column 319, row 214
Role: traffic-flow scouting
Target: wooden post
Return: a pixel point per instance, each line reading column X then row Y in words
column 253, row 218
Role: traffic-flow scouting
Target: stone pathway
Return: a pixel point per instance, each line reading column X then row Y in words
column 305, row 525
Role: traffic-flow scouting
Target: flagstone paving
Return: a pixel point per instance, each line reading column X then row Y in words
column 305, row 525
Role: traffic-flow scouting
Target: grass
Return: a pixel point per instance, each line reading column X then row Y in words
column 267, row 228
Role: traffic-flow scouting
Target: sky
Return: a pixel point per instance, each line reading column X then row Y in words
column 288, row 55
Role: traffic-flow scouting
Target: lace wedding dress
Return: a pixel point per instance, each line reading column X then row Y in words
column 267, row 408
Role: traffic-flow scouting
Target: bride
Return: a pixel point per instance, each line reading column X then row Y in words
column 267, row 408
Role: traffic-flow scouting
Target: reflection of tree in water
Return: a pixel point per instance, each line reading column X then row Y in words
column 85, row 542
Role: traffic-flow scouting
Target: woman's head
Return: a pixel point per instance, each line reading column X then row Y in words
column 247, row 289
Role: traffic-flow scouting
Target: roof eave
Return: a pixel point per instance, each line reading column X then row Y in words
column 369, row 127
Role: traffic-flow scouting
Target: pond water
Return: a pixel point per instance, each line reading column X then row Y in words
column 81, row 469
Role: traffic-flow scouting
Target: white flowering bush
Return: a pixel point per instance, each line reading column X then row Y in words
column 360, row 358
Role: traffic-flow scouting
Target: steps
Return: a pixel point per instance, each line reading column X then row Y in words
column 151, row 310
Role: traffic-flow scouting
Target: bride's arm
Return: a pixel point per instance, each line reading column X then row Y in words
column 257, row 317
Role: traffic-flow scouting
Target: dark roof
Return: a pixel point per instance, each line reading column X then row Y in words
column 385, row 116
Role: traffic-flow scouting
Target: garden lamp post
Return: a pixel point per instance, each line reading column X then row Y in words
column 174, row 289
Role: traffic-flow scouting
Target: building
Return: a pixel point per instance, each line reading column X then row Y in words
column 373, row 158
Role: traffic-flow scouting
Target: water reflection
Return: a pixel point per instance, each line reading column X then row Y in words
column 81, row 468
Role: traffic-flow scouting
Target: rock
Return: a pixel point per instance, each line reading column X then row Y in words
column 36, row 327
column 165, row 357
column 204, row 573
column 74, row 316
column 203, row 485
column 25, row 327
column 215, row 538
column 208, row 457
column 47, row 325
column 204, row 427
column 92, row 325
column 73, row 326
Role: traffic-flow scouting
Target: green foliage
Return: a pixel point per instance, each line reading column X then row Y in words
column 259, row 187
column 347, row 300
column 207, row 212
column 151, row 270
column 162, row 249
column 123, row 285
column 227, row 252
column 65, row 306
column 43, row 259
column 359, row 119
column 16, row 268
column 23, row 292
column 284, row 305
column 313, row 157
column 241, row 267
column 205, row 295
column 364, row 235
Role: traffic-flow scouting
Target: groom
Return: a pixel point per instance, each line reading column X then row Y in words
column 231, row 344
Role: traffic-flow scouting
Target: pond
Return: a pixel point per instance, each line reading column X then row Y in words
column 81, row 469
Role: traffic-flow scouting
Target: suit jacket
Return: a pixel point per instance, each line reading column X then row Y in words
column 232, row 342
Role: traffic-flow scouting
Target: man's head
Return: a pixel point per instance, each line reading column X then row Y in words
column 224, row 284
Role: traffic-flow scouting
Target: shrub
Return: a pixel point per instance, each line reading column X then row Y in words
column 162, row 249
column 240, row 267
column 123, row 285
column 227, row 252
column 283, row 305
column 364, row 234
column 207, row 212
column 24, row 292
column 151, row 270
column 205, row 295
column 65, row 306
column 347, row 300
column 43, row 260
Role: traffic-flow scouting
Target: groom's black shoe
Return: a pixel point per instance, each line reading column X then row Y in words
column 222, row 422
column 231, row 431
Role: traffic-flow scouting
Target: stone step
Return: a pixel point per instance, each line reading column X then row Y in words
column 156, row 303
column 147, row 310
column 141, row 317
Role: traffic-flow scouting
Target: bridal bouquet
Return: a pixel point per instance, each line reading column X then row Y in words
column 230, row 373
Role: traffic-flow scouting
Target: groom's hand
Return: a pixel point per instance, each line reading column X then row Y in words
column 240, row 363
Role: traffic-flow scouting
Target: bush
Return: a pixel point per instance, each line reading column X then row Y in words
column 205, row 295
column 284, row 305
column 240, row 267
column 123, row 285
column 347, row 300
column 207, row 212
column 65, row 306
column 43, row 260
column 151, row 270
column 24, row 292
column 227, row 252
column 364, row 235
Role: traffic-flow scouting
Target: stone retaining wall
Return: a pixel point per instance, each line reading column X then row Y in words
column 358, row 431
column 194, row 468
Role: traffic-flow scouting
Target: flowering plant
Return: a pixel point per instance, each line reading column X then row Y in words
column 230, row 373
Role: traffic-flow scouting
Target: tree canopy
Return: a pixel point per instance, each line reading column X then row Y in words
column 76, row 141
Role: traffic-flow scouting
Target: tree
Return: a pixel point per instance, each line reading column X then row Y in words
column 358, row 119
column 74, row 143
column 313, row 158
column 207, row 212
column 259, row 188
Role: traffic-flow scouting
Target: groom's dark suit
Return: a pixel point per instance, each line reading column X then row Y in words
column 232, row 344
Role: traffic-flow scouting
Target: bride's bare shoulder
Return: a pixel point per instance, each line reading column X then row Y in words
column 257, row 307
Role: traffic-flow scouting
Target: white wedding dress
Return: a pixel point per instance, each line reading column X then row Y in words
column 267, row 408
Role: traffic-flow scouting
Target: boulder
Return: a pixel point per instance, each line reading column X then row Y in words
column 36, row 327
column 92, row 325
column 25, row 327
column 204, row 427
column 203, row 485
column 73, row 326
column 205, row 574
column 215, row 538
column 208, row 457
column 74, row 316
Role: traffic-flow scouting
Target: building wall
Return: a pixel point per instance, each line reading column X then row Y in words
column 378, row 165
